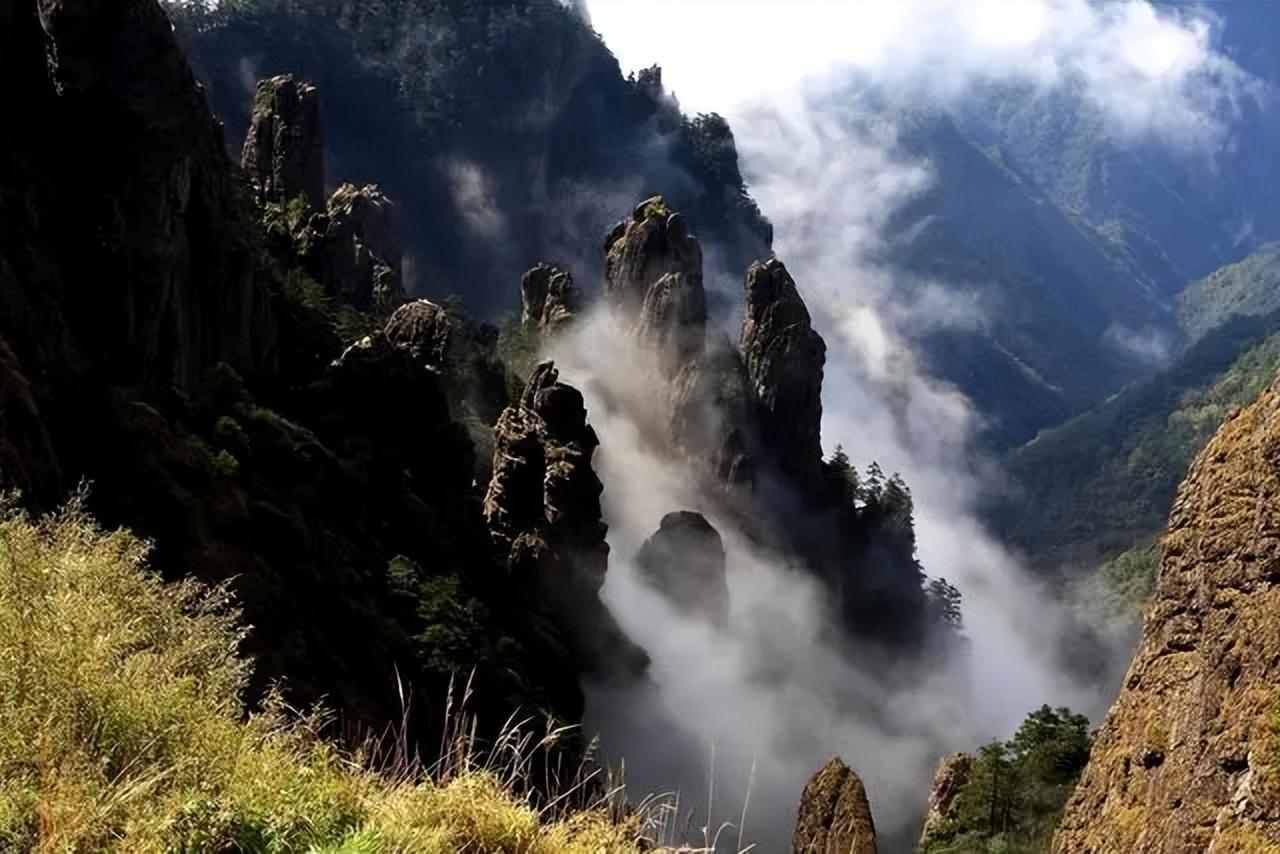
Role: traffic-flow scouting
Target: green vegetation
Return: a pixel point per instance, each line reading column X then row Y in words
column 1014, row 793
column 521, row 101
column 1250, row 286
column 1104, row 481
column 122, row 729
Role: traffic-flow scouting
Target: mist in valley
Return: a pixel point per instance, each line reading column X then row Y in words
column 737, row 717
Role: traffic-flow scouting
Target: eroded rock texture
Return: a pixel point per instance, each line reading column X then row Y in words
column 835, row 816
column 653, row 278
column 423, row 329
column 1188, row 759
column 784, row 358
column 684, row 559
column 950, row 777
column 543, row 510
column 548, row 299
column 351, row 249
column 284, row 149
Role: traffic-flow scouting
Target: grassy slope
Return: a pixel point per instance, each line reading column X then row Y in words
column 122, row 729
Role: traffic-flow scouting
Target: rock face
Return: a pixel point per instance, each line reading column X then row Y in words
column 653, row 278
column 165, row 286
column 543, row 511
column 351, row 249
column 684, row 559
column 284, row 149
column 835, row 816
column 1188, row 759
column 548, row 299
column 784, row 358
column 952, row 774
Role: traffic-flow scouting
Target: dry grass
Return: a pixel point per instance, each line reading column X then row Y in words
column 122, row 729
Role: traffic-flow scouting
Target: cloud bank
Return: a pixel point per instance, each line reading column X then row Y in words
column 1152, row 73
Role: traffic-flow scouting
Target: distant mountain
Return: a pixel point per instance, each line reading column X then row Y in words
column 1103, row 482
column 1176, row 212
column 1059, row 305
column 1250, row 286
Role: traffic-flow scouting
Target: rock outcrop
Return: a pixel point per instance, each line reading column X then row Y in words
column 284, row 149
column 653, row 278
column 548, row 299
column 351, row 249
column 423, row 329
column 543, row 511
column 1188, row 758
column 952, row 775
column 834, row 816
column 684, row 559
column 784, row 358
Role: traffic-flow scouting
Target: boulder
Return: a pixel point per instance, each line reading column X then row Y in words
column 684, row 560
column 423, row 329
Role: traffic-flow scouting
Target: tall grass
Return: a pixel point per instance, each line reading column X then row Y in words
column 122, row 728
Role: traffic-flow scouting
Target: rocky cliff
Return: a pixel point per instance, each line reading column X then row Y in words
column 834, row 815
column 1188, row 759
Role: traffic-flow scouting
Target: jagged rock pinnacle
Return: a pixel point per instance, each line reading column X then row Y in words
column 784, row 359
column 653, row 278
column 834, row 816
column 284, row 149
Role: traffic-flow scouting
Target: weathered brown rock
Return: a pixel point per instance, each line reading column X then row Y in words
column 423, row 329
column 284, row 149
column 684, row 559
column 1188, row 759
column 353, row 246
column 784, row 358
column 834, row 816
column 543, row 511
column 653, row 276
column 951, row 776
column 548, row 299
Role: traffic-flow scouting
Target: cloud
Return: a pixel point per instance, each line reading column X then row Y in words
column 1151, row 73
